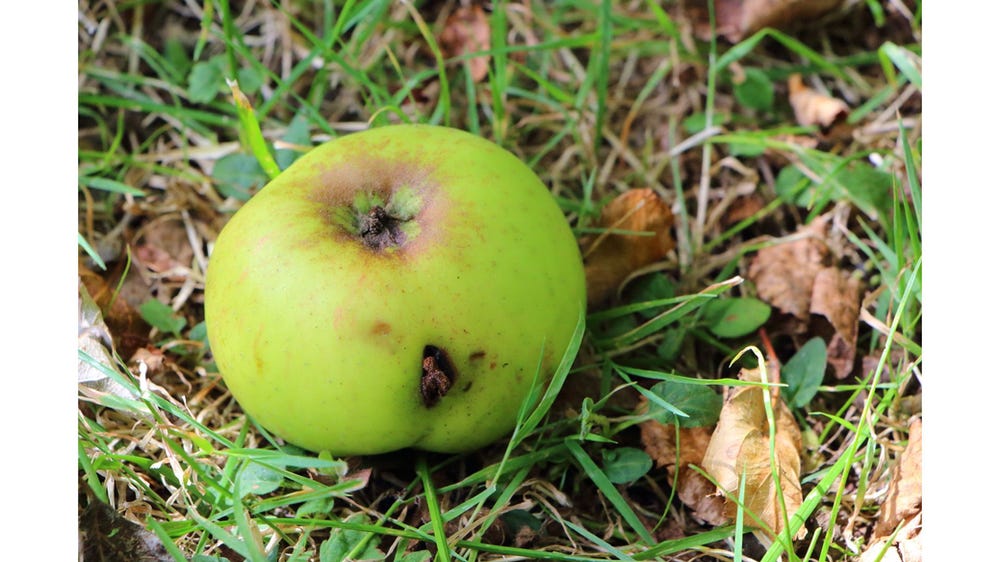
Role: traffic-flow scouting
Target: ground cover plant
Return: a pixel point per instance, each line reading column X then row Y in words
column 745, row 188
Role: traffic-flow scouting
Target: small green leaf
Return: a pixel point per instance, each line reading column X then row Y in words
column 239, row 176
column 199, row 332
column 670, row 345
column 258, row 479
column 342, row 543
column 792, row 186
column 867, row 187
column 735, row 317
column 250, row 79
column 696, row 122
column 625, row 465
column 803, row 373
column 297, row 133
column 415, row 556
column 756, row 91
column 206, row 80
column 517, row 519
column 318, row 505
column 177, row 57
column 650, row 288
column 699, row 402
column 162, row 317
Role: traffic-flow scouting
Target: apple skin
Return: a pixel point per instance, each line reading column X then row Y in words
column 321, row 336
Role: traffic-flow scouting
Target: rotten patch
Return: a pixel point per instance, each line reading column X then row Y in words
column 437, row 376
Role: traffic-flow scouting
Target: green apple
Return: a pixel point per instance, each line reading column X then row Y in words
column 398, row 287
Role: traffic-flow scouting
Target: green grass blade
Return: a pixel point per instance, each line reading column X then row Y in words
column 609, row 490
column 82, row 242
column 434, row 509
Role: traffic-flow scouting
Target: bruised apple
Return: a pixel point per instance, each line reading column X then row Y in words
column 398, row 287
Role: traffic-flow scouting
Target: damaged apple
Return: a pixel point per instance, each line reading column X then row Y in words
column 394, row 288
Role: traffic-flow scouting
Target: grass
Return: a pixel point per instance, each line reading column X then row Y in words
column 598, row 97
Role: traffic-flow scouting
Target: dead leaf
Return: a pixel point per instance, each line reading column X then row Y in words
column 785, row 273
column 796, row 278
column 697, row 492
column 95, row 340
column 742, row 208
column 812, row 107
column 124, row 322
column 837, row 297
column 611, row 257
column 906, row 547
column 165, row 249
column 467, row 30
column 905, row 489
column 739, row 447
column 736, row 19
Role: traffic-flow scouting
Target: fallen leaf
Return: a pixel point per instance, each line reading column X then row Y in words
column 740, row 447
column 905, row 489
column 95, row 340
column 906, row 547
column 467, row 30
column 129, row 330
column 837, row 297
column 742, row 208
column 796, row 278
column 661, row 443
column 785, row 273
column 165, row 249
column 812, row 107
column 736, row 19
column 611, row 257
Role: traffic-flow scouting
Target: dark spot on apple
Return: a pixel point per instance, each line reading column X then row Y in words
column 467, row 386
column 381, row 231
column 437, row 375
column 381, row 329
column 477, row 355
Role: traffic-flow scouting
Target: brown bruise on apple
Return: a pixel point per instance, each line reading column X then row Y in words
column 437, row 375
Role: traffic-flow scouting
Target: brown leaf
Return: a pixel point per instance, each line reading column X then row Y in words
column 467, row 31
column 611, row 257
column 796, row 278
column 165, row 249
column 837, row 297
column 740, row 447
column 905, row 489
column 742, row 208
column 906, row 548
column 785, row 273
column 736, row 19
column 661, row 443
column 812, row 107
column 125, row 324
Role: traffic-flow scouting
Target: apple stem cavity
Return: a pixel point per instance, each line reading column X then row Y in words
column 382, row 227
column 437, row 375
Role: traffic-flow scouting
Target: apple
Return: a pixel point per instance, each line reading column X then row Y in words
column 393, row 288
